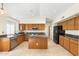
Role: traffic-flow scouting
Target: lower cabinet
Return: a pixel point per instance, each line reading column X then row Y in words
column 20, row 38
column 7, row 44
column 78, row 48
column 38, row 43
column 4, row 44
column 66, row 43
column 61, row 40
column 74, row 47
column 70, row 44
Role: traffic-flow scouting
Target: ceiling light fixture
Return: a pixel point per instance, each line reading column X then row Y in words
column 2, row 11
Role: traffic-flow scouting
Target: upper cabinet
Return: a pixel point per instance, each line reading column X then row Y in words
column 70, row 24
column 41, row 27
column 29, row 26
column 23, row 27
column 64, row 24
column 77, row 23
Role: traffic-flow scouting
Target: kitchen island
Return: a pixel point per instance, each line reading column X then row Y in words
column 38, row 42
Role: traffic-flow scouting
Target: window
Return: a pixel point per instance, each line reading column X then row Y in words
column 10, row 28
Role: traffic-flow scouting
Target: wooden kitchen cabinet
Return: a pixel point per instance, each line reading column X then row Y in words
column 64, row 24
column 4, row 44
column 0, row 44
column 24, row 37
column 66, row 43
column 70, row 24
column 77, row 23
column 74, row 47
column 38, row 43
column 22, row 27
column 71, row 44
column 61, row 40
column 78, row 47
column 26, row 26
column 33, row 43
column 29, row 26
column 41, row 26
column 20, row 38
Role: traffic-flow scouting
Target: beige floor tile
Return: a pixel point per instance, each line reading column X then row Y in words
column 22, row 50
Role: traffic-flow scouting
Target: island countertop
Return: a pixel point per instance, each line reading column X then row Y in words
column 38, row 36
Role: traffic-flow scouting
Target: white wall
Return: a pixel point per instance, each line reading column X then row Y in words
column 46, row 29
column 33, row 20
column 68, row 13
column 3, row 22
column 73, row 32
column 51, row 33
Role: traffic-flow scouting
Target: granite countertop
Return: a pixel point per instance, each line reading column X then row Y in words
column 3, row 36
column 38, row 36
column 75, row 37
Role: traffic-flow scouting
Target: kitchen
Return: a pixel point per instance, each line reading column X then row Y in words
column 33, row 31
column 26, row 33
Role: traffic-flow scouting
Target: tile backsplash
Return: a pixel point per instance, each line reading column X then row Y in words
column 73, row 32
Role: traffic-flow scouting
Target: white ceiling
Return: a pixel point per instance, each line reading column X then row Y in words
column 22, row 11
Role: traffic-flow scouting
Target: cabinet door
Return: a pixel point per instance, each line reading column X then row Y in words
column 74, row 47
column 19, row 39
column 61, row 40
column 64, row 24
column 0, row 45
column 77, row 23
column 66, row 43
column 43, row 43
column 78, row 47
column 70, row 24
column 41, row 26
column 30, row 26
column 21, row 27
column 5, row 44
column 33, row 44
column 26, row 26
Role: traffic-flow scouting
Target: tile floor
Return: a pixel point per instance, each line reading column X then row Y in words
column 22, row 50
